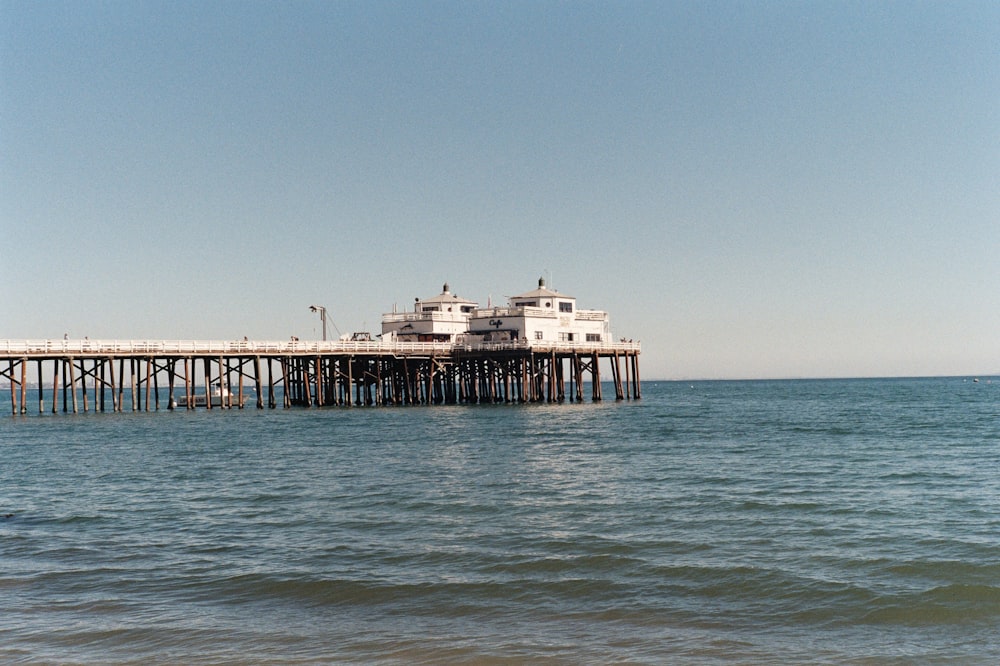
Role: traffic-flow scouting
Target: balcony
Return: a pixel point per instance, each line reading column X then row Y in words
column 445, row 317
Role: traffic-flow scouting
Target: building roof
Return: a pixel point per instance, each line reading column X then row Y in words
column 542, row 292
column 446, row 297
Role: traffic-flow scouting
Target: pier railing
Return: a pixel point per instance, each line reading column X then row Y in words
column 47, row 348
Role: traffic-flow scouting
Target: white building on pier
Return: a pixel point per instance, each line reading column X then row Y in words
column 437, row 319
column 541, row 315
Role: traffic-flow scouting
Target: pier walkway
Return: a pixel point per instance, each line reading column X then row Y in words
column 105, row 374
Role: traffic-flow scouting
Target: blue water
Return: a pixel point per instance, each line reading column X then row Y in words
column 738, row 522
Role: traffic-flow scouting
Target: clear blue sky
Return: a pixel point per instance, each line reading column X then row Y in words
column 753, row 189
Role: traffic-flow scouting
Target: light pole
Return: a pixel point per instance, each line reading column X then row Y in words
column 322, row 315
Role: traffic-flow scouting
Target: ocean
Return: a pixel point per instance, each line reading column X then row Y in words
column 807, row 521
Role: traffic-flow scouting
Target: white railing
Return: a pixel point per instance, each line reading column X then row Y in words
column 591, row 315
column 20, row 348
column 520, row 311
column 539, row 313
column 396, row 317
column 104, row 347
column 549, row 345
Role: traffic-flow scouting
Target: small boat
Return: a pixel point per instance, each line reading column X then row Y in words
column 221, row 397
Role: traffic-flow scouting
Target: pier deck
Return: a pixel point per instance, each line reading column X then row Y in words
column 96, row 374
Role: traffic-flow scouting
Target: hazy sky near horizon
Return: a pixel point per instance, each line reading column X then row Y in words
column 753, row 189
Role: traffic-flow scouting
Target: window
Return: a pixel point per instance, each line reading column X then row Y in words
column 538, row 335
column 565, row 337
column 593, row 337
column 526, row 304
column 429, row 308
column 565, row 306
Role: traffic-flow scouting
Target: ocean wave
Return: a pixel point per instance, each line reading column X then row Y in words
column 946, row 604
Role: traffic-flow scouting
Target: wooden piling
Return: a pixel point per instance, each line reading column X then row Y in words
column 55, row 388
column 13, row 388
column 72, row 381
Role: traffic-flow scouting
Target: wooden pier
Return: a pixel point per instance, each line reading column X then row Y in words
column 85, row 375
